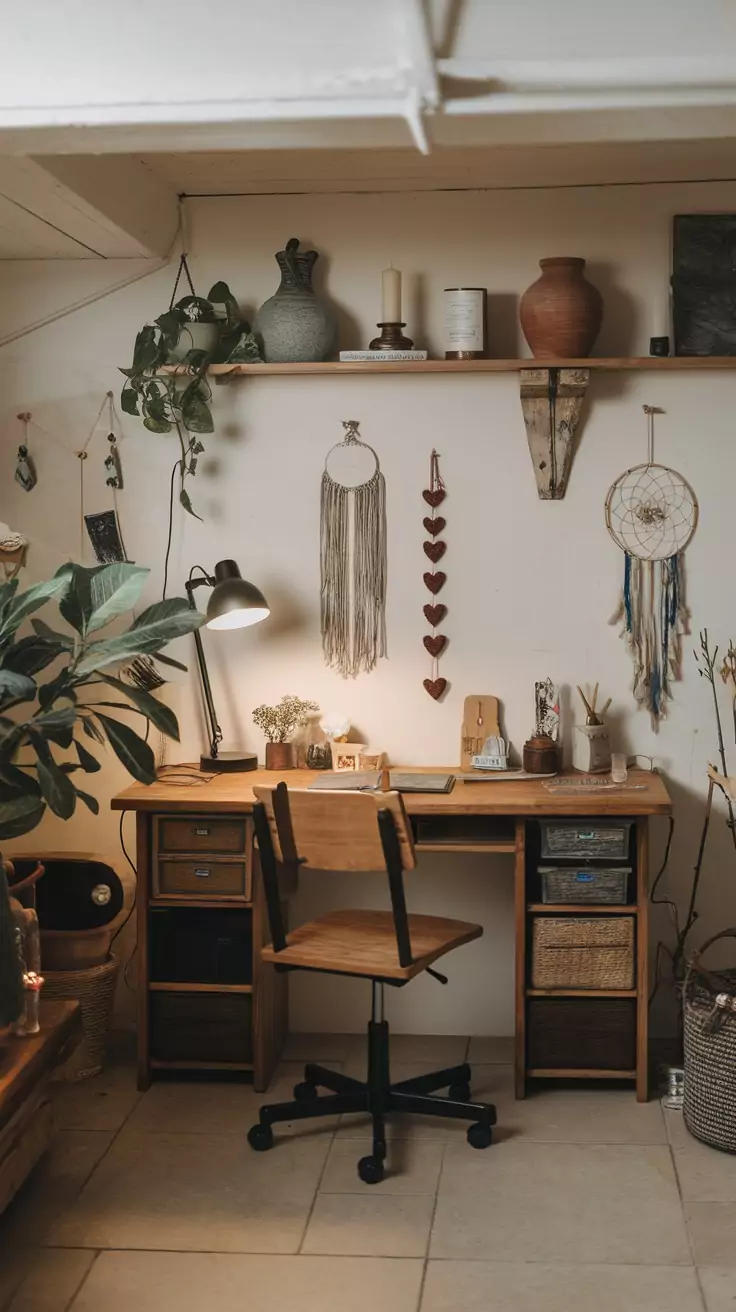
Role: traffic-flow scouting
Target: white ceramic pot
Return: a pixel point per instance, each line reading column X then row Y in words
column 195, row 337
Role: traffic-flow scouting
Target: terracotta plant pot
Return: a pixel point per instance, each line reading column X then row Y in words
column 279, row 756
column 561, row 312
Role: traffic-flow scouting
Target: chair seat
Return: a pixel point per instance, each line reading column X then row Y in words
column 364, row 943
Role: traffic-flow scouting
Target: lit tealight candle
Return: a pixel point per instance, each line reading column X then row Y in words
column 391, row 296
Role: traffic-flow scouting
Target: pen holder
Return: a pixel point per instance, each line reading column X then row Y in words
column 591, row 748
column 541, row 755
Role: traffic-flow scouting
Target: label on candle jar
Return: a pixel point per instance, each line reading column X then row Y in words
column 464, row 319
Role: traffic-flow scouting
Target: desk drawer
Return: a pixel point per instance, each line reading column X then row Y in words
column 181, row 877
column 201, row 834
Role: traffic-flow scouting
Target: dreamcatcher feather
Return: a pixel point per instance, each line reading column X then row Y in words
column 651, row 514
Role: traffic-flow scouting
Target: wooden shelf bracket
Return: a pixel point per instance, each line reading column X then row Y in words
column 551, row 402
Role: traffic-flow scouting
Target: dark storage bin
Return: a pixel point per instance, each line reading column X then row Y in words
column 205, row 1027
column 581, row 1034
column 199, row 945
column 571, row 884
column 601, row 840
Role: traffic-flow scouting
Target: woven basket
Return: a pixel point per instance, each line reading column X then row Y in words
column 94, row 988
column 709, row 1002
column 576, row 953
column 571, row 884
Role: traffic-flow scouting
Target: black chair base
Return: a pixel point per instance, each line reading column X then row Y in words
column 378, row 1097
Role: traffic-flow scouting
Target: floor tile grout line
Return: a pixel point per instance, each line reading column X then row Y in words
column 399, row 1257
column 68, row 1306
column 701, row 1291
column 425, row 1264
column 313, row 1204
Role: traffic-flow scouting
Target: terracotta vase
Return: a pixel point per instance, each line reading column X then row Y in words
column 279, row 756
column 561, row 312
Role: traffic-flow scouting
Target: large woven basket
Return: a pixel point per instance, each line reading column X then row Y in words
column 576, row 953
column 94, row 988
column 709, row 1003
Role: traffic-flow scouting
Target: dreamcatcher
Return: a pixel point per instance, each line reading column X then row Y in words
column 353, row 555
column 651, row 514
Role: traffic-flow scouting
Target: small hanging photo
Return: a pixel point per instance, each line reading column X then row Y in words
column 104, row 534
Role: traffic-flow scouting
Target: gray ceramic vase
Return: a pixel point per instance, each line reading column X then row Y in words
column 295, row 325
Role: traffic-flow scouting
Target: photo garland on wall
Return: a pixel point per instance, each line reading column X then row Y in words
column 353, row 556
column 435, row 579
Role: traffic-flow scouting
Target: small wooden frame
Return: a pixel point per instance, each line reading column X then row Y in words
column 551, row 402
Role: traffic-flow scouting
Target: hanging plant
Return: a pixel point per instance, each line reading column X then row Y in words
column 194, row 332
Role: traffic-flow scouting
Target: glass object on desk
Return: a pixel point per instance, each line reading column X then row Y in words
column 619, row 771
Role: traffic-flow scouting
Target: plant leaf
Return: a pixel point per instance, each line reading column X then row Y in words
column 91, row 730
column 161, row 716
column 145, row 351
column 154, row 415
column 196, row 414
column 31, row 655
column 88, row 762
column 115, row 589
column 43, row 630
column 186, row 502
column 19, row 815
column 169, row 660
column 25, row 604
column 130, row 749
column 57, row 788
column 152, row 630
column 89, row 801
column 49, row 692
column 129, row 400
column 57, row 725
column 76, row 603
column 16, row 687
column 17, row 782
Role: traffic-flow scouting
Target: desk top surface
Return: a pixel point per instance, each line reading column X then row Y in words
column 27, row 1057
column 232, row 793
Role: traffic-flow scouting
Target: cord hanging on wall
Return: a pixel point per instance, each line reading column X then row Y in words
column 25, row 469
column 102, row 527
column 651, row 514
column 353, row 555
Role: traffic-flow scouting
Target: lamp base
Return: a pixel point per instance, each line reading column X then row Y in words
column 228, row 763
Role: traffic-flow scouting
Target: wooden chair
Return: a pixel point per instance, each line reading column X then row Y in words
column 344, row 831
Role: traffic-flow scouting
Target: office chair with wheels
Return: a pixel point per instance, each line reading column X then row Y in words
column 351, row 831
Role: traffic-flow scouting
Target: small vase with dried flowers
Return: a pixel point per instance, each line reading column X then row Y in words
column 279, row 723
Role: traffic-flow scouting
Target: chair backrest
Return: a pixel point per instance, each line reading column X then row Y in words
column 336, row 830
column 326, row 830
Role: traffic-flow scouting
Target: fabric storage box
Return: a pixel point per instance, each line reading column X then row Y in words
column 604, row 840
column 201, row 1027
column 571, row 884
column 581, row 1034
column 573, row 952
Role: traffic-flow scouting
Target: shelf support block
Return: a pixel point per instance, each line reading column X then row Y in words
column 551, row 402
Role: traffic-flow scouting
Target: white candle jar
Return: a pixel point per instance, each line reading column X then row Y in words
column 464, row 312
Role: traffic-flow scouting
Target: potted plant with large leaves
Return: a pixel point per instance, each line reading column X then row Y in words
column 194, row 332
column 43, row 720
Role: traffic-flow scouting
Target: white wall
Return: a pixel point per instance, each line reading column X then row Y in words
column 531, row 585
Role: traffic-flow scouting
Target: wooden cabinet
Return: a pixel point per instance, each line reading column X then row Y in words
column 205, row 999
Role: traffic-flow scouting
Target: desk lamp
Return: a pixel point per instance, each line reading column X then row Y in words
column 234, row 604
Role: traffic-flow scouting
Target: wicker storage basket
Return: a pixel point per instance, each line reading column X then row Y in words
column 571, row 884
column 94, row 988
column 571, row 952
column 603, row 840
column 709, row 1001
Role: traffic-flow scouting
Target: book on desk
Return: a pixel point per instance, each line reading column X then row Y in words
column 370, row 781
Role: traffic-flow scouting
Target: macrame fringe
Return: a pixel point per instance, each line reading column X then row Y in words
column 654, row 617
column 353, row 574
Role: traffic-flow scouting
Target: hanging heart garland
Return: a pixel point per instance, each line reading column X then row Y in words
column 434, row 550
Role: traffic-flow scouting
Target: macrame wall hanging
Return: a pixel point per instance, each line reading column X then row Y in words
column 435, row 612
column 651, row 514
column 25, row 469
column 353, row 556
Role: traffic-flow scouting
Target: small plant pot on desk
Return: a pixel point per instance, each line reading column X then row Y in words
column 279, row 756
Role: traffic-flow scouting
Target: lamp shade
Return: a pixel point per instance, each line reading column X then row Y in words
column 234, row 602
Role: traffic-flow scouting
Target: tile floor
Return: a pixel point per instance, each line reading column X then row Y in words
column 155, row 1202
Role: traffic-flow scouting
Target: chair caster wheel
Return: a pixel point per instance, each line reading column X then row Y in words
column 304, row 1092
column 260, row 1138
column 370, row 1170
column 459, row 1093
column 480, row 1135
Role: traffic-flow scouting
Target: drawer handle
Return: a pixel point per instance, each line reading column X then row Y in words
column 202, row 872
column 202, row 833
column 586, row 833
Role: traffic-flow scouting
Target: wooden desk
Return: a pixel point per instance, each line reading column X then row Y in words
column 26, row 1067
column 187, row 834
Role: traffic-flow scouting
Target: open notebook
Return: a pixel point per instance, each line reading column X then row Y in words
column 369, row 781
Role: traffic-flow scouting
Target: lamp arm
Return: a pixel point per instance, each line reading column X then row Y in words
column 215, row 730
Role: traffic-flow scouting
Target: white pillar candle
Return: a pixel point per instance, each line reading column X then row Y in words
column 391, row 296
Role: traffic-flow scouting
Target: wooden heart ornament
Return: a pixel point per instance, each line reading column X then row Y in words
column 434, row 526
column 435, row 687
column 435, row 644
column 435, row 581
column 435, row 550
column 434, row 497
column 435, row 614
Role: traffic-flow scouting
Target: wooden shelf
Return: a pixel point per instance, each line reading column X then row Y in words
column 540, row 1073
column 200, row 1065
column 591, row 909
column 581, row 993
column 611, row 364
column 467, row 848
column 199, row 988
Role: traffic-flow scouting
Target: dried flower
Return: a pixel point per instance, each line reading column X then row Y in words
column 279, row 722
